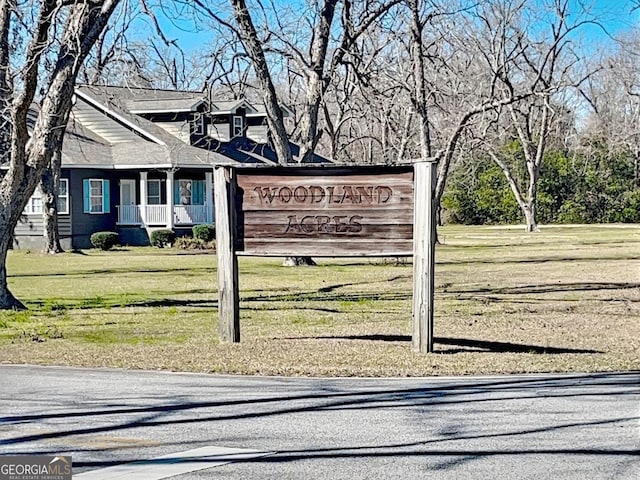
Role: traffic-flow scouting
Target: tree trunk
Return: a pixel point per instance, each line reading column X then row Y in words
column 298, row 261
column 5, row 81
column 530, row 218
column 49, row 185
column 7, row 300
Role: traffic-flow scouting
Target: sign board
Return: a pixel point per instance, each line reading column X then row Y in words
column 330, row 211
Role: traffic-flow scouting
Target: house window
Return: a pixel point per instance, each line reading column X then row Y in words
column 189, row 192
column 96, row 195
column 153, row 192
column 63, row 196
column 184, row 190
column 197, row 125
column 238, row 126
column 35, row 205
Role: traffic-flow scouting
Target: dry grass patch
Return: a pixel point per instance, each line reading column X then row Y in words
column 565, row 299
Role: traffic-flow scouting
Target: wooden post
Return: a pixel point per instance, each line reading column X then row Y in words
column 208, row 196
column 143, row 199
column 423, row 256
column 169, row 192
column 228, row 295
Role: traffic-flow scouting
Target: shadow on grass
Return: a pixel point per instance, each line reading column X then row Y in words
column 328, row 297
column 182, row 271
column 502, row 260
column 549, row 288
column 470, row 344
column 162, row 299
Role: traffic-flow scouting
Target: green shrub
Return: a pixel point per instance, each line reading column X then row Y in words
column 204, row 232
column 162, row 238
column 104, row 240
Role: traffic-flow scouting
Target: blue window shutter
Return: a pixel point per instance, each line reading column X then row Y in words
column 106, row 200
column 176, row 192
column 86, row 195
column 198, row 192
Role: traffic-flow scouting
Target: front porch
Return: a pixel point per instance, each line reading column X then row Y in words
column 166, row 202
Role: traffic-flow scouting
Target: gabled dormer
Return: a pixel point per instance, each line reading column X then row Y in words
column 240, row 118
column 182, row 114
column 233, row 118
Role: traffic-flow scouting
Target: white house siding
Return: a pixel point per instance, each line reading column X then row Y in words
column 258, row 133
column 177, row 129
column 220, row 131
column 102, row 125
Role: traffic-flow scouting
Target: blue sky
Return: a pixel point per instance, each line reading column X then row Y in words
column 615, row 16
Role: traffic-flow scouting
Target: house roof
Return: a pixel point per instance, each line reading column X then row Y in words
column 232, row 106
column 135, row 141
column 104, row 131
column 246, row 151
column 83, row 147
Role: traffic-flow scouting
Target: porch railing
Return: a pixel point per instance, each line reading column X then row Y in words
column 157, row 214
column 129, row 215
column 191, row 214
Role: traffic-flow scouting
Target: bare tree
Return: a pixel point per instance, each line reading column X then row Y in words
column 253, row 46
column 613, row 95
column 449, row 59
column 31, row 152
column 547, row 70
column 309, row 47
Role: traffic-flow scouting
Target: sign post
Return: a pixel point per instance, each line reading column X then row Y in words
column 228, row 293
column 424, row 241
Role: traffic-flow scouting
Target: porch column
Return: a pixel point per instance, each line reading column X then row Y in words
column 169, row 199
column 143, row 198
column 208, row 195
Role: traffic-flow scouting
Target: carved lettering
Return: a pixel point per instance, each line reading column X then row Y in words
column 309, row 224
column 317, row 193
column 293, row 224
column 349, row 196
column 354, row 223
column 300, row 194
column 266, row 193
column 384, row 194
column 324, row 224
column 365, row 193
column 314, row 194
column 285, row 194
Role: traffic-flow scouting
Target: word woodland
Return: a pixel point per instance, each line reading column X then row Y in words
column 315, row 195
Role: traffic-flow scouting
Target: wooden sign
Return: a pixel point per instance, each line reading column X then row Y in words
column 324, row 211
column 328, row 211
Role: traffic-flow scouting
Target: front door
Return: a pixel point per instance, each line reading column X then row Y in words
column 128, row 208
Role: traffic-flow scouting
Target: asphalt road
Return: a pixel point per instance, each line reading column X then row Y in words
column 524, row 427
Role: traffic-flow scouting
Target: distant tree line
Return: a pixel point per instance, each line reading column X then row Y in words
column 594, row 187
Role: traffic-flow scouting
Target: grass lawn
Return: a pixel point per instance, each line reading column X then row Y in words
column 565, row 299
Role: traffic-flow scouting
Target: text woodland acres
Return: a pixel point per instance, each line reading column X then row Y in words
column 323, row 198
